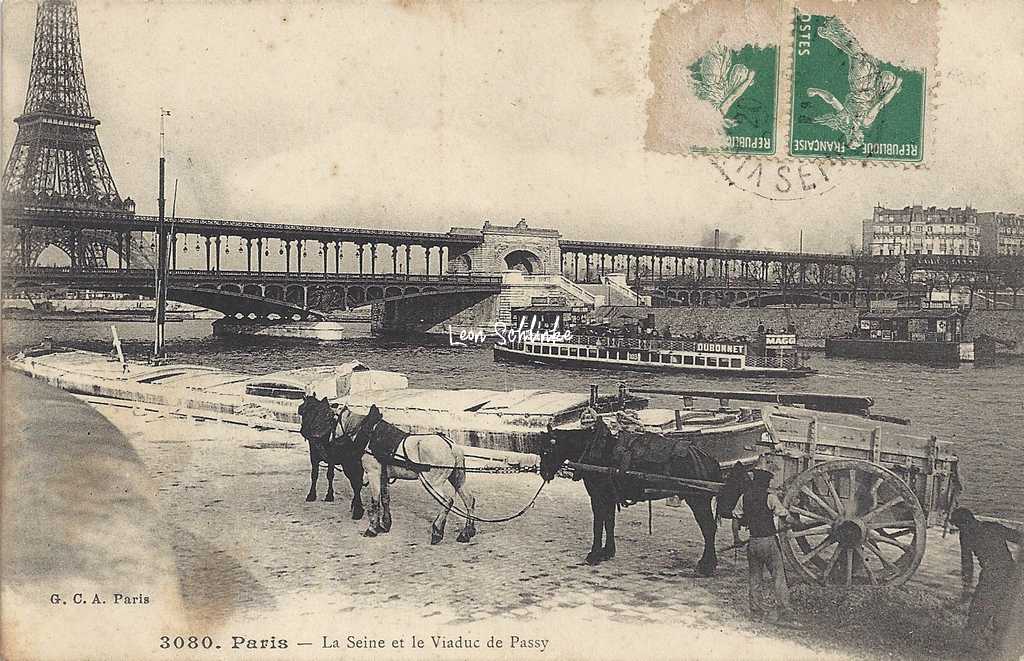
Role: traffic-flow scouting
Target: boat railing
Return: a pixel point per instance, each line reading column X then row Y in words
column 660, row 344
column 786, row 361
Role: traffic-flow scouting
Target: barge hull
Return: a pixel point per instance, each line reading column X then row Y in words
column 508, row 355
column 928, row 353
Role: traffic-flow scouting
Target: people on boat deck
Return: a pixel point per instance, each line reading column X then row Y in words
column 1001, row 581
column 760, row 511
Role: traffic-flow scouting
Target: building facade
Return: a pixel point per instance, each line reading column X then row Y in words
column 921, row 230
column 1001, row 233
column 509, row 248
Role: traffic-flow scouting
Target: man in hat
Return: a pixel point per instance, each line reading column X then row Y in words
column 999, row 580
column 759, row 510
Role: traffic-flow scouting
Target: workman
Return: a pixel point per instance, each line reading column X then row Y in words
column 999, row 581
column 760, row 511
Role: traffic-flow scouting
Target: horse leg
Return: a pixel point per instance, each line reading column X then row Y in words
column 597, row 507
column 314, row 472
column 354, row 472
column 458, row 481
column 609, row 529
column 372, row 470
column 701, row 508
column 329, row 497
column 385, row 501
column 441, row 520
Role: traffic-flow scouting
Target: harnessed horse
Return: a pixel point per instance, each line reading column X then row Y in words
column 388, row 453
column 326, row 448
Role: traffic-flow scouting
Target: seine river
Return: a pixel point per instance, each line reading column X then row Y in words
column 980, row 409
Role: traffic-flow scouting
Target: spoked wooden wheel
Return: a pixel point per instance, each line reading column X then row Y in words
column 855, row 523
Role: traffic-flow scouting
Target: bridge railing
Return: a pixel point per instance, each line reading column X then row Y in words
column 200, row 274
column 214, row 226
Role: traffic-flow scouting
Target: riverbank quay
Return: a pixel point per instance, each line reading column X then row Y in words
column 813, row 324
column 85, row 554
column 257, row 561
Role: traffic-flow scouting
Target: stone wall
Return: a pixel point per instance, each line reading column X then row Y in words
column 1003, row 324
column 811, row 323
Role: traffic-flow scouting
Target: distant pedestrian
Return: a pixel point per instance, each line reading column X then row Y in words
column 759, row 510
column 999, row 582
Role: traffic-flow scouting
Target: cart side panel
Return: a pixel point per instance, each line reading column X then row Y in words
column 803, row 438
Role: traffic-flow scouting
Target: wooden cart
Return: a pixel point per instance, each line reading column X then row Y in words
column 862, row 491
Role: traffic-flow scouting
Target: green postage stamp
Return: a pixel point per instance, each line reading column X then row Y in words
column 849, row 104
column 743, row 86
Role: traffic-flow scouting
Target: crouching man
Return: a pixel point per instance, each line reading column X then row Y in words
column 999, row 582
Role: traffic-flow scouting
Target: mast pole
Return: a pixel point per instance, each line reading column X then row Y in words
column 161, row 301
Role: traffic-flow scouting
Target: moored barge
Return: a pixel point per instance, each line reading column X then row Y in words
column 928, row 336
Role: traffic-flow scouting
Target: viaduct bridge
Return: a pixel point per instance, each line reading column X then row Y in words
column 58, row 193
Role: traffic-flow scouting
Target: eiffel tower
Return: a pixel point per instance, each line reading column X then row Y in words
column 56, row 163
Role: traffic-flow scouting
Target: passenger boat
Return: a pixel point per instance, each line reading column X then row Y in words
column 545, row 335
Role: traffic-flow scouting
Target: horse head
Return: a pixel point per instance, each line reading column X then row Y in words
column 567, row 444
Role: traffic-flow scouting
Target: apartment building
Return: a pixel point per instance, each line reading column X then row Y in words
column 918, row 230
column 1001, row 233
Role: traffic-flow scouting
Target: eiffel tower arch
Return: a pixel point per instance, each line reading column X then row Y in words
column 57, row 163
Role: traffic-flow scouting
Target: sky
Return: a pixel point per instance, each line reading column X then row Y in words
column 429, row 115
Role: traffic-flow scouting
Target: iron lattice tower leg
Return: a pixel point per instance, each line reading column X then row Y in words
column 56, row 161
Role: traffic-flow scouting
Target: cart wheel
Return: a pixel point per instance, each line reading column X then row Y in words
column 855, row 522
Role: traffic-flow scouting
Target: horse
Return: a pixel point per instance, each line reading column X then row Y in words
column 317, row 415
column 596, row 445
column 388, row 453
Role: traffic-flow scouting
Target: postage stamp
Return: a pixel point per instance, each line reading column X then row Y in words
column 743, row 86
column 715, row 72
column 848, row 102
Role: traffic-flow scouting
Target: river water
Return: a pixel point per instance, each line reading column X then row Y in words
column 980, row 409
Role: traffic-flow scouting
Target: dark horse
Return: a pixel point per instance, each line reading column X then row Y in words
column 318, row 428
column 598, row 446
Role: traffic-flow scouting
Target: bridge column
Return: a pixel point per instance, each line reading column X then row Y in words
column 300, row 250
column 394, row 258
column 174, row 250
column 207, row 252
column 120, row 250
column 337, row 256
column 426, row 252
column 218, row 251
column 248, row 254
column 587, row 258
column 373, row 258
column 359, row 250
column 288, row 256
column 128, row 250
column 408, row 260
column 576, row 267
column 323, row 251
column 259, row 254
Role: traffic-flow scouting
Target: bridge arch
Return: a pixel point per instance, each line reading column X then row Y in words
column 295, row 294
column 525, row 261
